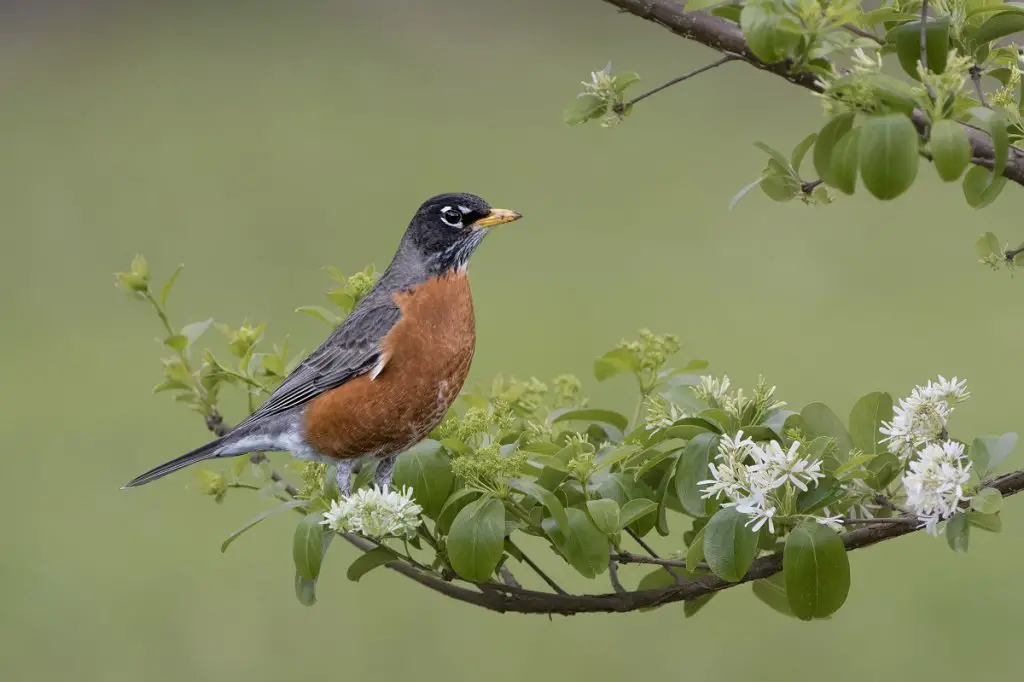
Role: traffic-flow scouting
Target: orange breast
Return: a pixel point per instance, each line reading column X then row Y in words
column 427, row 357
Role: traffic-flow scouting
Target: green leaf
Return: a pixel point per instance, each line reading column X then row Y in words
column 988, row 452
column 778, row 183
column 624, row 80
column 165, row 292
column 907, row 38
column 772, row 591
column 994, row 123
column 178, row 342
column 695, row 552
column 258, row 518
column 884, row 468
column 992, row 523
column 830, row 134
column 693, row 467
column 729, row 545
column 845, row 157
column 998, row 26
column 816, row 570
column 616, row 419
column 459, row 499
column 605, row 514
column 477, row 538
column 771, row 36
column 951, row 149
column 427, row 470
column 888, row 155
column 987, row 501
column 585, row 547
column 193, row 331
column 692, row 606
column 981, row 188
column 662, row 497
column 780, row 159
column 584, row 108
column 617, row 361
column 796, row 159
column 819, row 420
column 320, row 313
column 308, row 546
column 826, row 492
column 378, row 556
column 988, row 245
column 866, row 418
column 140, row 266
column 545, row 497
column 634, row 510
column 305, row 590
column 958, row 532
column 696, row 5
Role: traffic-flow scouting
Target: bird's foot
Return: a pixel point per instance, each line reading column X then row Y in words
column 385, row 468
column 344, row 476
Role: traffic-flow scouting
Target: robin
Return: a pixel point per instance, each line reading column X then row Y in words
column 388, row 374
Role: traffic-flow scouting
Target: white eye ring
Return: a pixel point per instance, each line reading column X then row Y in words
column 451, row 217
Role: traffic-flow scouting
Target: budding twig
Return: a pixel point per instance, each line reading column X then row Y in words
column 619, row 109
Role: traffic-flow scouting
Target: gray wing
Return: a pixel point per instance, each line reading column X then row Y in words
column 351, row 349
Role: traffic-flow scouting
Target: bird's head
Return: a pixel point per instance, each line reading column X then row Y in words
column 447, row 229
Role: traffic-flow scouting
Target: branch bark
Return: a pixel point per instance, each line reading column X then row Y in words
column 726, row 37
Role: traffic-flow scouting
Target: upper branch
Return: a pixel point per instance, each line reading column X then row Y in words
column 727, row 37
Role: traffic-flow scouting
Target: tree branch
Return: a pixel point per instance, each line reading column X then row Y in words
column 727, row 37
column 507, row 599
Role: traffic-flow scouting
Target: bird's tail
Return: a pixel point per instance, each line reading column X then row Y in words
column 199, row 454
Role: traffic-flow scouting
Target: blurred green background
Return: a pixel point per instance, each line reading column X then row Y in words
column 257, row 142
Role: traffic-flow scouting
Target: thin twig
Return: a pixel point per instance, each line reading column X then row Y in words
column 1012, row 253
column 808, row 187
column 870, row 522
column 975, row 72
column 857, row 30
column 650, row 550
column 538, row 570
column 686, row 76
column 258, row 458
column 506, row 575
column 613, row 573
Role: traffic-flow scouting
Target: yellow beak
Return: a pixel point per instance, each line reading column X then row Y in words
column 497, row 216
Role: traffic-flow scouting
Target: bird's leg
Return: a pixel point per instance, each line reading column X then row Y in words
column 344, row 476
column 385, row 467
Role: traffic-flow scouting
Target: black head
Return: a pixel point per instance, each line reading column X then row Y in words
column 447, row 229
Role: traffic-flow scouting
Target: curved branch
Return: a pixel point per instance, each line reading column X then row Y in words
column 727, row 37
column 506, row 599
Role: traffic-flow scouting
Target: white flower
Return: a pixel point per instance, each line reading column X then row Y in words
column 712, row 389
column 935, row 482
column 921, row 418
column 376, row 513
column 758, row 479
column 787, row 466
column 758, row 517
column 833, row 522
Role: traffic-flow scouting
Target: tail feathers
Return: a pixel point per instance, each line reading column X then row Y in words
column 199, row 454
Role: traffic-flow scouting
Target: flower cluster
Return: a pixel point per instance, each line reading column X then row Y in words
column 376, row 513
column 760, row 479
column 935, row 482
column 921, row 418
column 743, row 408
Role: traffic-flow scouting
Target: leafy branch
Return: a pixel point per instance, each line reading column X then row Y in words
column 879, row 125
column 772, row 496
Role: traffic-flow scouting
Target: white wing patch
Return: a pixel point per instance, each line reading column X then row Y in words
column 379, row 367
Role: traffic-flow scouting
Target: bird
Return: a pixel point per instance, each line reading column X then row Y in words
column 388, row 374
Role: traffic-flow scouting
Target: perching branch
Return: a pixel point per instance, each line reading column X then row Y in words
column 727, row 38
column 511, row 598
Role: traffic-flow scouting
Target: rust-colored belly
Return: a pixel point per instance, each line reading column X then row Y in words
column 427, row 358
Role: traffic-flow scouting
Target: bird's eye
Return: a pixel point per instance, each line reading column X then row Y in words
column 451, row 216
